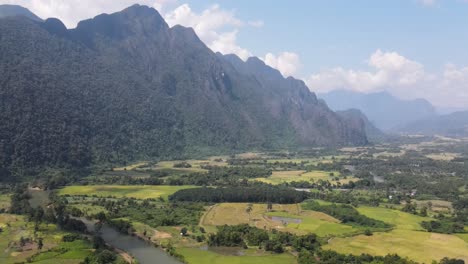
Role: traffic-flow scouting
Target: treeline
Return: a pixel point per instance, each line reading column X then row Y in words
column 443, row 226
column 150, row 211
column 245, row 235
column 251, row 194
column 220, row 176
column 450, row 224
column 347, row 214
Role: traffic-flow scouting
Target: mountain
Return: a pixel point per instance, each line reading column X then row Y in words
column 355, row 115
column 383, row 109
column 126, row 86
column 452, row 125
column 15, row 10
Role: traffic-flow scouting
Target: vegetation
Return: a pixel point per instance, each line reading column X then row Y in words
column 257, row 194
column 345, row 213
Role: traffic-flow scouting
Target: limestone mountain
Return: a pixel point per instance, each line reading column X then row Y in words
column 126, row 86
column 15, row 10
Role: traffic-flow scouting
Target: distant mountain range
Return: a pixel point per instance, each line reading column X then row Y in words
column 384, row 110
column 453, row 125
column 127, row 86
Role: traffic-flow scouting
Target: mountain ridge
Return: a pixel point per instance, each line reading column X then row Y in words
column 383, row 109
column 125, row 86
column 16, row 10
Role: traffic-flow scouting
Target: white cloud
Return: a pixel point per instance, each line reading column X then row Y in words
column 73, row 11
column 218, row 28
column 427, row 2
column 288, row 63
column 400, row 76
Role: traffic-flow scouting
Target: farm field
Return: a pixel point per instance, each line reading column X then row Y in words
column 4, row 201
column 399, row 219
column 119, row 191
column 197, row 255
column 310, row 221
column 14, row 227
column 279, row 177
column 407, row 239
column 417, row 245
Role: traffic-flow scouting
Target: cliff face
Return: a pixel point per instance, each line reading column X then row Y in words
column 126, row 86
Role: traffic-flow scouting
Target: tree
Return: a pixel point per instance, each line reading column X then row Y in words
column 269, row 206
column 40, row 243
column 183, row 231
column 22, row 242
column 368, row 232
column 249, row 209
column 423, row 211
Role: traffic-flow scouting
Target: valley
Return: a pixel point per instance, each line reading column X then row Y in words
column 339, row 202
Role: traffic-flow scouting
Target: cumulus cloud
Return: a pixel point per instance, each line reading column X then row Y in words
column 399, row 75
column 218, row 28
column 288, row 63
column 73, row 11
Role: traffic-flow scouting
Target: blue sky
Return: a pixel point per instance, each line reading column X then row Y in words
column 329, row 33
column 410, row 48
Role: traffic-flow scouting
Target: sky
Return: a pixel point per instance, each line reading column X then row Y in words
column 409, row 48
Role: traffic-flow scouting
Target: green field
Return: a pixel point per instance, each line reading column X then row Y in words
column 406, row 239
column 279, row 177
column 4, row 201
column 119, row 191
column 315, row 222
column 399, row 219
column 14, row 227
column 318, row 223
column 196, row 256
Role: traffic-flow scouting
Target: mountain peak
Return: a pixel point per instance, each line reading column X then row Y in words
column 134, row 20
column 16, row 10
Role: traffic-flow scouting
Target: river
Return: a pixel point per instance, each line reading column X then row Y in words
column 141, row 250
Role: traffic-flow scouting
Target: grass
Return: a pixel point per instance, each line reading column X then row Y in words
column 4, row 201
column 399, row 219
column 89, row 209
column 119, row 191
column 196, row 255
column 407, row 239
column 416, row 245
column 279, row 177
column 318, row 223
column 437, row 205
column 445, row 156
column 14, row 227
column 131, row 166
column 235, row 213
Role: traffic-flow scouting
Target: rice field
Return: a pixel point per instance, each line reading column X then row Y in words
column 119, row 191
column 197, row 255
column 302, row 222
column 14, row 227
column 408, row 239
column 279, row 177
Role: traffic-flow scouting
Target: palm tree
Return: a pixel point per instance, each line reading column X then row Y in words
column 249, row 210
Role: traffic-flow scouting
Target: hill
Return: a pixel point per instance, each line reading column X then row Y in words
column 126, row 86
column 15, row 10
column 383, row 109
column 452, row 125
column 373, row 133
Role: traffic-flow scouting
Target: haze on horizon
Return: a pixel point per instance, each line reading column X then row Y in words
column 410, row 48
